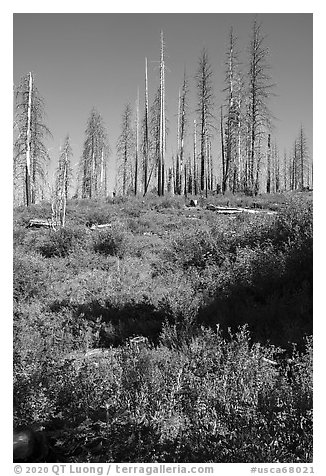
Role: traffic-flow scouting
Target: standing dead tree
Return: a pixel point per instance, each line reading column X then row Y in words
column 62, row 183
column 125, row 149
column 269, row 166
column 259, row 91
column 205, row 104
column 195, row 165
column 30, row 154
column 161, row 161
column 154, row 141
column 146, row 136
column 303, row 158
column 276, row 164
column 93, row 163
column 181, row 132
column 285, row 170
column 136, row 144
column 293, row 169
column 300, row 169
column 231, row 170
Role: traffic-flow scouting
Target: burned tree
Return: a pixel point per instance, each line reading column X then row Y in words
column 30, row 153
column 303, row 159
column 259, row 91
column 232, row 157
column 161, row 157
column 205, row 104
column 146, row 135
column 125, row 149
column 93, row 163
column 62, row 183
column 136, row 145
column 181, row 132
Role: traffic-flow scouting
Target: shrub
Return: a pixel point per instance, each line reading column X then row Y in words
column 30, row 275
column 197, row 249
column 62, row 242
column 112, row 242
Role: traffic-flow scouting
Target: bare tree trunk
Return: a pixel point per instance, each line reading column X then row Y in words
column 268, row 183
column 207, row 175
column 146, row 145
column 174, row 176
column 276, row 168
column 137, row 142
column 202, row 156
column 285, row 166
column 256, row 181
column 124, row 183
column 223, row 155
column 178, row 168
column 64, row 198
column 301, row 159
column 195, row 158
column 211, row 166
column 160, row 185
column 182, row 121
column 28, row 143
column 240, row 166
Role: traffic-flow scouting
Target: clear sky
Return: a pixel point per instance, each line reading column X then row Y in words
column 81, row 61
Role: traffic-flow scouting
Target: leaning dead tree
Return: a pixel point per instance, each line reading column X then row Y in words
column 62, row 183
column 205, row 104
column 30, row 153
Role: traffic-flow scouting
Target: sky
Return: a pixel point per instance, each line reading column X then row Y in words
column 86, row 60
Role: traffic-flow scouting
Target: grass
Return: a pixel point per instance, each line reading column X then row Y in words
column 214, row 295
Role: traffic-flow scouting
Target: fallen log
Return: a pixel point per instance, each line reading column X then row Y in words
column 41, row 223
column 232, row 210
column 95, row 226
column 218, row 209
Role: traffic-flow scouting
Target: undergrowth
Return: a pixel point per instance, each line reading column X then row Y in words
column 217, row 297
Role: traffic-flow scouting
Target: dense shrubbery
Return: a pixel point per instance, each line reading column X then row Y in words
column 112, row 242
column 211, row 400
column 163, row 271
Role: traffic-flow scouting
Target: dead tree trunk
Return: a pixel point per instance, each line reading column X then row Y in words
column 146, row 133
column 223, row 154
column 160, row 175
column 195, row 159
column 268, row 183
column 28, row 143
column 137, row 142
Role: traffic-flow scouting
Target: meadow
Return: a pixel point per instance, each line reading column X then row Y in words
column 224, row 303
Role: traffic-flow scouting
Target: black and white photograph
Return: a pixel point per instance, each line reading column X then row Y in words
column 162, row 196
